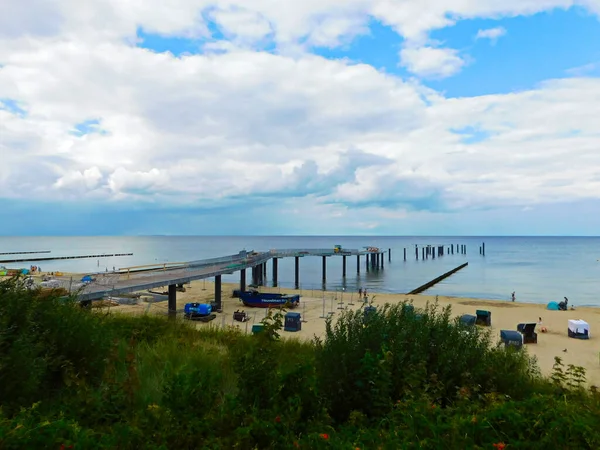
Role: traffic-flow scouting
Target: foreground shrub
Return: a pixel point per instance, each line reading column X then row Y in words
column 367, row 364
column 392, row 380
column 46, row 343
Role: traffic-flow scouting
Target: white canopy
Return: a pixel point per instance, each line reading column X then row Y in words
column 579, row 326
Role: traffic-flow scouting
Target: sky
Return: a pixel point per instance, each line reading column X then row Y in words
column 262, row 117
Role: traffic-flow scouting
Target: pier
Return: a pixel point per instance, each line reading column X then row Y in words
column 140, row 278
column 151, row 276
column 56, row 258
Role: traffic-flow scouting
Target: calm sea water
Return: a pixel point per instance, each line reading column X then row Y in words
column 538, row 269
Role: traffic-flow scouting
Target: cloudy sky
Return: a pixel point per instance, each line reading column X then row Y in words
column 461, row 117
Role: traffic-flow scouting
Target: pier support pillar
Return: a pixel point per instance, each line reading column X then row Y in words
column 297, row 272
column 423, row 254
column 404, row 253
column 172, row 300
column 483, row 247
column 417, row 252
column 357, row 263
column 264, row 273
column 433, row 252
column 382, row 258
column 324, row 269
column 389, row 254
column 243, row 280
column 275, row 272
column 367, row 256
column 452, row 249
column 344, row 266
column 218, row 292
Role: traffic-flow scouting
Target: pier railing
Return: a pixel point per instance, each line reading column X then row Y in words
column 311, row 252
column 241, row 256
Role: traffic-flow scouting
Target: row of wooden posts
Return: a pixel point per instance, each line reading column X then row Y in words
column 431, row 251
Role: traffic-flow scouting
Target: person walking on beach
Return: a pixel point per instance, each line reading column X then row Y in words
column 513, row 296
column 360, row 292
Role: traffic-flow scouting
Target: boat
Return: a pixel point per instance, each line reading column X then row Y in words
column 255, row 299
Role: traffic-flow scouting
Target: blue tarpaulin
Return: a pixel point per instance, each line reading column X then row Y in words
column 87, row 279
column 553, row 306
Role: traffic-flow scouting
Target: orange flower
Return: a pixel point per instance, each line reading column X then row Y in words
column 500, row 445
column 433, row 406
column 296, row 444
column 324, row 436
column 474, row 419
column 278, row 419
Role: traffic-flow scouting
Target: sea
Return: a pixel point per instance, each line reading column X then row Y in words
column 537, row 269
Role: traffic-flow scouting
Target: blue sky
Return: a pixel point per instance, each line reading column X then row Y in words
column 407, row 118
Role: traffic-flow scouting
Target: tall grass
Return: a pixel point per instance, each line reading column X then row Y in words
column 397, row 378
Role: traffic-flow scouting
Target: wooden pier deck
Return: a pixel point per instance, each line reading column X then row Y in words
column 134, row 281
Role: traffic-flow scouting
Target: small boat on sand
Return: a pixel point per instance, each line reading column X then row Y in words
column 255, row 299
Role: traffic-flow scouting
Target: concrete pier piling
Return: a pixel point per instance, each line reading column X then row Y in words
column 297, row 272
column 172, row 300
column 218, row 292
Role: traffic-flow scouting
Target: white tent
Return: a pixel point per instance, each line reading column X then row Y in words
column 579, row 329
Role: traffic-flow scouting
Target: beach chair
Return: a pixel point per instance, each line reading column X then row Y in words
column 528, row 332
column 511, row 338
column 579, row 329
column 484, row 318
column 468, row 320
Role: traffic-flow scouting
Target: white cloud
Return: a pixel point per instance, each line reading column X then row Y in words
column 243, row 24
column 431, row 62
column 493, row 34
column 210, row 129
column 89, row 179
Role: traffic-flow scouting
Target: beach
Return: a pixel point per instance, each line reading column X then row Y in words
column 505, row 316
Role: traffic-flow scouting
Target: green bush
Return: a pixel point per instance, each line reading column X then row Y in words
column 366, row 364
column 46, row 344
column 395, row 379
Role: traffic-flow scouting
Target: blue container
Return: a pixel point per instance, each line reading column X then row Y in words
column 468, row 320
column 511, row 338
column 293, row 322
column 200, row 309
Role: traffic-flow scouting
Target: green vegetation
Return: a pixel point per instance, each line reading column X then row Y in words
column 77, row 378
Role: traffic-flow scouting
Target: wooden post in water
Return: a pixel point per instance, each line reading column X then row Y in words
column 404, row 253
column 483, row 248
column 423, row 253
column 389, row 254
column 417, row 252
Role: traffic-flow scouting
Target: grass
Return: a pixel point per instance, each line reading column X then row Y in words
column 397, row 378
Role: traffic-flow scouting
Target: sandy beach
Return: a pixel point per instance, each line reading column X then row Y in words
column 505, row 315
